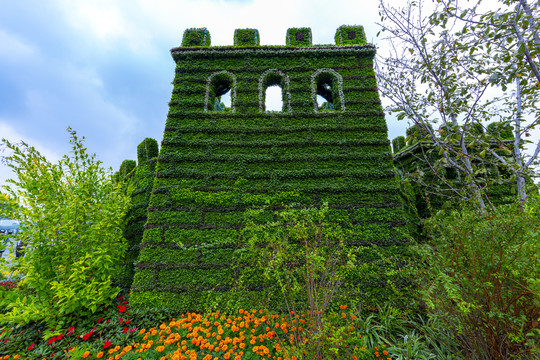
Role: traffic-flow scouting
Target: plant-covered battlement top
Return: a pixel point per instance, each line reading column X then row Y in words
column 346, row 35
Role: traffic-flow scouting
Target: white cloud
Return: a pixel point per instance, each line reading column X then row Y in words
column 14, row 49
column 271, row 18
column 106, row 22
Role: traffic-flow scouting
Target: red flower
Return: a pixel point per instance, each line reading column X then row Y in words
column 51, row 340
column 107, row 344
column 31, row 347
column 125, row 330
column 70, row 331
column 59, row 337
column 107, row 321
column 127, row 322
column 120, row 320
column 132, row 330
column 121, row 308
column 99, row 321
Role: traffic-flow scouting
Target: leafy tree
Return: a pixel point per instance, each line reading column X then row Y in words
column 443, row 69
column 71, row 217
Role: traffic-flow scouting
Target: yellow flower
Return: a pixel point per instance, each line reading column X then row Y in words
column 85, row 355
column 160, row 348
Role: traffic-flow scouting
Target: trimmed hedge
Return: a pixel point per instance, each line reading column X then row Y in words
column 142, row 177
column 411, row 158
column 215, row 163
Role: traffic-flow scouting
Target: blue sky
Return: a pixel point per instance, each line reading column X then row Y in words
column 104, row 67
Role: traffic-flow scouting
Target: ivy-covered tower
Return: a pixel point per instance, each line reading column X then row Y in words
column 217, row 160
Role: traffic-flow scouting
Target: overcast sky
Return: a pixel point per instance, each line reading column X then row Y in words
column 104, row 67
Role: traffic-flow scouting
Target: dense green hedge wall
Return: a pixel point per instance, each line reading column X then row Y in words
column 142, row 178
column 196, row 37
column 299, row 37
column 147, row 150
column 411, row 158
column 213, row 165
column 246, row 37
column 350, row 35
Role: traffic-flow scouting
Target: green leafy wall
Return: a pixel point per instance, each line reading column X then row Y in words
column 213, row 165
column 411, row 160
column 142, row 176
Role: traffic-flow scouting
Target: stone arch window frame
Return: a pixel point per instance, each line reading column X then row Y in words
column 233, row 89
column 339, row 79
column 285, row 89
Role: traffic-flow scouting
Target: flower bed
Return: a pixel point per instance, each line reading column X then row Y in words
column 117, row 333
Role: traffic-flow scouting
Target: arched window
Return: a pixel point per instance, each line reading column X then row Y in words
column 327, row 90
column 277, row 78
column 220, row 92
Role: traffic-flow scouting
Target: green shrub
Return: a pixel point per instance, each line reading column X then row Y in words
column 71, row 222
column 306, row 255
column 483, row 280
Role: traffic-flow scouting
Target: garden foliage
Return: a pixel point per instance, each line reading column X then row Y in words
column 71, row 223
column 306, row 255
column 483, row 279
column 214, row 165
column 141, row 178
column 434, row 184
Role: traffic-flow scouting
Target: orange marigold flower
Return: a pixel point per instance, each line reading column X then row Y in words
column 86, row 354
column 376, row 354
column 343, row 315
column 385, row 352
column 99, row 355
column 160, row 348
column 342, row 307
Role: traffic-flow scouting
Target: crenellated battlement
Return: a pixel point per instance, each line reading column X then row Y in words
column 295, row 37
column 327, row 144
column 342, row 74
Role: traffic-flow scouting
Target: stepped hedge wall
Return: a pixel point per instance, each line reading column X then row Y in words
column 218, row 160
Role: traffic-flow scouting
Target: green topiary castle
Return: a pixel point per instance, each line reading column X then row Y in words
column 218, row 160
column 419, row 154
